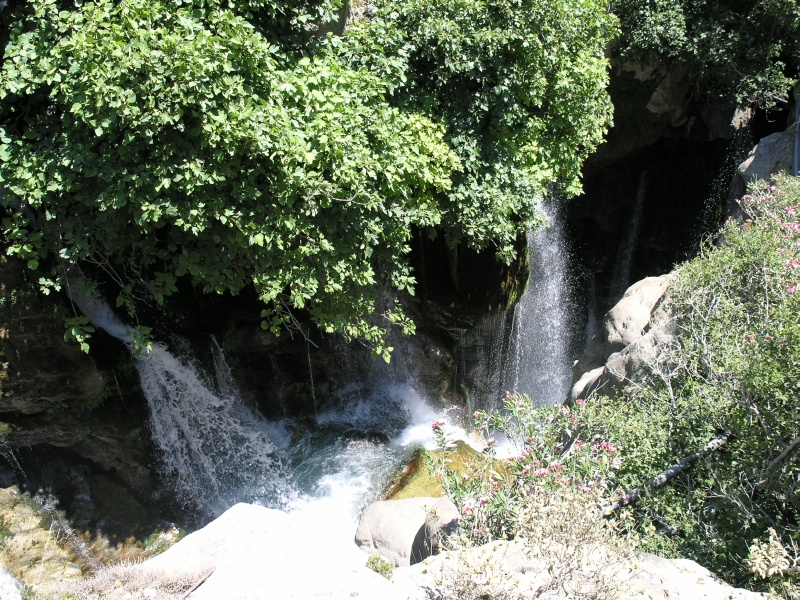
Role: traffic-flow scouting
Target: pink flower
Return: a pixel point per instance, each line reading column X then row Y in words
column 468, row 511
column 580, row 401
column 793, row 264
column 437, row 426
column 491, row 441
column 792, row 288
column 584, row 488
column 476, row 415
column 607, row 446
column 747, row 197
column 541, row 472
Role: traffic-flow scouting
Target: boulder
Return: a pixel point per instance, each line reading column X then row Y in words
column 510, row 567
column 253, row 552
column 679, row 579
column 403, row 531
column 10, row 588
column 635, row 332
column 771, row 155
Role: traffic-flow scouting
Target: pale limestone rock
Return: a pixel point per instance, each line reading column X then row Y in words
column 510, row 567
column 252, row 552
column 399, row 530
column 771, row 155
column 655, row 578
column 635, row 333
column 10, row 588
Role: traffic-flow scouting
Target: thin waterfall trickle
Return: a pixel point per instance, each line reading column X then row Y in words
column 622, row 267
column 539, row 355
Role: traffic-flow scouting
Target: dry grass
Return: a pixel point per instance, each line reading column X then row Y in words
column 563, row 550
column 133, row 582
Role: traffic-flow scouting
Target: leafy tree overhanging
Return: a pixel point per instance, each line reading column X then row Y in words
column 145, row 141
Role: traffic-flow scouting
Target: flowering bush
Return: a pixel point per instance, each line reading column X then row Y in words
column 552, row 454
column 734, row 367
column 546, row 494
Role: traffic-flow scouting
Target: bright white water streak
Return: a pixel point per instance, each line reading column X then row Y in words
column 538, row 361
column 216, row 451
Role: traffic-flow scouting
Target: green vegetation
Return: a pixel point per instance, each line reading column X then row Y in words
column 732, row 374
column 381, row 566
column 743, row 51
column 736, row 368
column 148, row 142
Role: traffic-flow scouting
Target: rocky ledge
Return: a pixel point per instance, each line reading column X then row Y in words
column 254, row 552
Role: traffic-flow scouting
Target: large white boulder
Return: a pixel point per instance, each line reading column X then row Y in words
column 771, row 155
column 635, row 333
column 401, row 530
column 252, row 552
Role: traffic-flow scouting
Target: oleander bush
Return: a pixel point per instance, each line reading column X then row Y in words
column 697, row 459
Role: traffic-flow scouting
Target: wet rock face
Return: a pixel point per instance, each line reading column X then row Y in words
column 71, row 424
column 39, row 371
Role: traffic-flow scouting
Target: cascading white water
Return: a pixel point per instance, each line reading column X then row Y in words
column 538, row 361
column 216, row 451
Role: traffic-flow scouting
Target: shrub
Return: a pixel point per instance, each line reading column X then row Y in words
column 548, row 497
column 735, row 367
column 381, row 566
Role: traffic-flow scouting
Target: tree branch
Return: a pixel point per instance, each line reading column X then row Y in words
column 635, row 495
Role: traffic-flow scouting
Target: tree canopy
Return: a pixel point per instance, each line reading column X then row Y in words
column 145, row 141
column 743, row 51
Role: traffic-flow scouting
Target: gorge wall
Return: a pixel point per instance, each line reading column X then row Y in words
column 76, row 424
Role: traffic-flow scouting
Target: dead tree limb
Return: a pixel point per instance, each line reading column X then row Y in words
column 793, row 445
column 635, row 494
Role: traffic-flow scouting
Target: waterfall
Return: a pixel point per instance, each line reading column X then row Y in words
column 539, row 354
column 622, row 268
column 215, row 450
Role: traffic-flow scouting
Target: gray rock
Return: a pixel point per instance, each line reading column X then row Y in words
column 252, row 552
column 771, row 155
column 400, row 530
column 635, row 333
column 510, row 567
column 655, row 578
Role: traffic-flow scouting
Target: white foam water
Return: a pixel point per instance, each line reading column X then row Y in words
column 216, row 451
column 538, row 361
